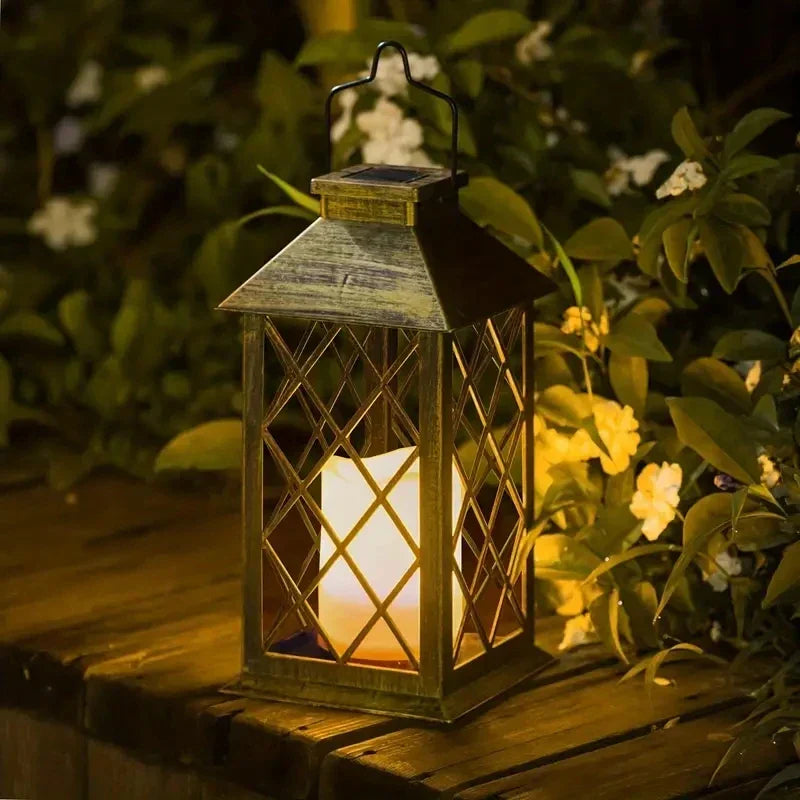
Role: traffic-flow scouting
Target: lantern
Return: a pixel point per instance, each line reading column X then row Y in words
column 397, row 340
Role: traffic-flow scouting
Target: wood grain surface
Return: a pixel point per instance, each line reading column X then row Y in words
column 119, row 622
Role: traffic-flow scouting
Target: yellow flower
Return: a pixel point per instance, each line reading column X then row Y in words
column 753, row 377
column 538, row 425
column 553, row 446
column 578, row 630
column 656, row 498
column 770, row 475
column 795, row 340
column 581, row 447
column 579, row 321
column 617, row 428
column 568, row 596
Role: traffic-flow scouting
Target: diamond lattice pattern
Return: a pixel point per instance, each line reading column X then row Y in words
column 488, row 430
column 345, row 394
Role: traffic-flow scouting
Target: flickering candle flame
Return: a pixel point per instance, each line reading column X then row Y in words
column 380, row 552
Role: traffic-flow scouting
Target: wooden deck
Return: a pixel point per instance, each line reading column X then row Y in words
column 119, row 621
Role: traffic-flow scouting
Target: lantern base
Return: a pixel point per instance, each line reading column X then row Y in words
column 446, row 708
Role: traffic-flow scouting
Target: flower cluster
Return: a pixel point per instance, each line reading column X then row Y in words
column 64, row 223
column 579, row 321
column 533, row 46
column 688, row 175
column 637, row 169
column 656, row 499
column 391, row 136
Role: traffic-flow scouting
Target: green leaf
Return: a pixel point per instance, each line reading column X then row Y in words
column 489, row 201
column 213, row 260
column 746, row 164
column 569, row 268
column 724, row 249
column 109, row 388
column 715, row 435
column 742, row 209
column 677, row 239
column 563, row 407
column 788, row 774
column 548, row 339
column 602, row 239
column 29, row 326
column 750, row 345
column 635, row 552
column 678, row 652
column 629, row 378
column 215, row 445
column 604, row 611
column 640, row 603
column 654, row 225
column 560, row 557
column 74, row 314
column 765, row 411
column 686, row 136
column 789, row 262
column 131, row 319
column 590, row 186
column 634, row 335
column 345, row 48
column 487, row 27
column 749, row 127
column 786, row 576
column 281, row 211
column 711, row 378
column 468, row 73
column 708, row 516
column 301, row 198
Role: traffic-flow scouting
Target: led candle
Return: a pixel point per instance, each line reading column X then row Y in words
column 379, row 550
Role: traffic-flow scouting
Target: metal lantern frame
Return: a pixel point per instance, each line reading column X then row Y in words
column 401, row 344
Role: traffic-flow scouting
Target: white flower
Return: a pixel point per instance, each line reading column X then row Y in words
column 347, row 99
column 578, row 126
column 687, row 175
column 578, row 631
column 64, row 223
column 656, row 498
column 729, row 566
column 716, row 632
column 87, row 85
column 392, row 137
column 770, row 475
column 68, row 136
column 551, row 139
column 150, row 77
column 390, row 79
column 753, row 376
column 102, row 179
column 533, row 47
column 639, row 61
column 640, row 169
column 226, row 141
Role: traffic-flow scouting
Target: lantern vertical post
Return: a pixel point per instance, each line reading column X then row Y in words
column 527, row 463
column 436, row 524
column 252, row 485
column 382, row 350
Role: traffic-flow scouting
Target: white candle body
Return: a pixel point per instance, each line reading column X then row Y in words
column 379, row 550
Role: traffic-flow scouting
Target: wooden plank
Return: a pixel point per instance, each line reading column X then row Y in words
column 535, row 726
column 115, row 773
column 39, row 759
column 662, row 765
column 133, row 623
column 279, row 747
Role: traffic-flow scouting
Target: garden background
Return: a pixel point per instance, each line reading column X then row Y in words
column 643, row 154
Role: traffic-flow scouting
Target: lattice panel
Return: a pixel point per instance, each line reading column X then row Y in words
column 345, row 395
column 488, row 430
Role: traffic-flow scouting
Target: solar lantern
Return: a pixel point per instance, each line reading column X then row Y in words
column 388, row 434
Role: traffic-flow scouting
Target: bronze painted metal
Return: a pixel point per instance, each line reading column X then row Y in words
column 392, row 322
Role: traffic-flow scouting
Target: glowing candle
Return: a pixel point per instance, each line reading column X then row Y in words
column 379, row 551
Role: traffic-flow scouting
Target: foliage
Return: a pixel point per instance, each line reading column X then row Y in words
column 667, row 363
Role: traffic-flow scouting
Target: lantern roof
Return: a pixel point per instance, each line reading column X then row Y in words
column 391, row 249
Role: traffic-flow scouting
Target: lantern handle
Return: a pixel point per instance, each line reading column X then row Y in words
column 406, row 69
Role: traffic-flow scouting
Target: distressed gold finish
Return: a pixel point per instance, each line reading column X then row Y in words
column 417, row 332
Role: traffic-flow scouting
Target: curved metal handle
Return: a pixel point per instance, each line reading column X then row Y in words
column 429, row 89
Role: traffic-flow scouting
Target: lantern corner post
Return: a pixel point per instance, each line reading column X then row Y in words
column 436, row 524
column 528, row 389
column 252, row 486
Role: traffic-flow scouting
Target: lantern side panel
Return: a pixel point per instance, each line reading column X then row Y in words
column 341, row 525
column 488, row 430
